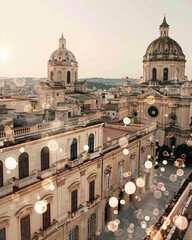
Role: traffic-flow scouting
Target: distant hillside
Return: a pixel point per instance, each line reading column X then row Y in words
column 106, row 83
column 109, row 81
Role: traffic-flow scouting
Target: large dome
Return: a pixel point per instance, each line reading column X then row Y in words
column 62, row 55
column 164, row 48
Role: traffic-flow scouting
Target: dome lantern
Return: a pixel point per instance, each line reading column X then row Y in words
column 164, row 28
column 62, row 42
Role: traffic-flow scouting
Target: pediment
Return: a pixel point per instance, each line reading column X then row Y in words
column 152, row 92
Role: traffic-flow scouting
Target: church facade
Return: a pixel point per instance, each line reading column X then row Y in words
column 164, row 93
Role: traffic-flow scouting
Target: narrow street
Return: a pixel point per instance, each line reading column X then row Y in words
column 138, row 210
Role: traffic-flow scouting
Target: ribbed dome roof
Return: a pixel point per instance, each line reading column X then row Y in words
column 164, row 48
column 62, row 55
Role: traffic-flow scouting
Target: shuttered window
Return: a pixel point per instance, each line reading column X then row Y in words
column 91, row 191
column 25, row 228
column 2, row 234
column 47, row 217
column 74, row 201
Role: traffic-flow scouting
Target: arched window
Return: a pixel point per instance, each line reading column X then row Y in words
column 51, row 75
column 44, row 158
column 1, row 174
column 165, row 74
column 74, row 149
column 59, row 76
column 154, row 73
column 23, row 165
column 68, row 77
column 91, row 143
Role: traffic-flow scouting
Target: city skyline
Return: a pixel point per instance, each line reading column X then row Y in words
column 104, row 46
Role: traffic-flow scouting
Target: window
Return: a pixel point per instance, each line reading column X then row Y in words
column 46, row 217
column 2, row 234
column 91, row 143
column 91, row 191
column 52, row 76
column 74, row 149
column 107, row 182
column 59, row 76
column 165, row 74
column 68, row 77
column 69, row 114
column 154, row 72
column 1, row 175
column 57, row 94
column 173, row 142
column 91, row 225
column 153, row 111
column 75, row 76
column 73, row 233
column 25, row 228
column 120, row 173
column 133, row 165
column 74, row 201
column 23, row 165
column 44, row 158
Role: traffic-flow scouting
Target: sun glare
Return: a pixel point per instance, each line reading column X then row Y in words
column 4, row 54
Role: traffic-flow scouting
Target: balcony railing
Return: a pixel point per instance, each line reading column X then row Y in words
column 93, row 155
column 76, row 213
column 49, row 126
column 75, row 162
column 93, row 202
column 6, row 189
column 46, row 173
column 19, row 183
column 50, row 230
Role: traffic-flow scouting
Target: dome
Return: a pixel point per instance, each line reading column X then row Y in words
column 164, row 48
column 62, row 55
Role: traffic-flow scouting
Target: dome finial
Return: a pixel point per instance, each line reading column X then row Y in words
column 62, row 42
column 164, row 28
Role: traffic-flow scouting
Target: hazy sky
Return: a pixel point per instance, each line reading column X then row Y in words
column 108, row 37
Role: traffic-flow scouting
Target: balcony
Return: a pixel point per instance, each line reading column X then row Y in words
column 50, row 230
column 19, row 183
column 75, row 162
column 93, row 155
column 6, row 189
column 76, row 213
column 93, row 202
column 46, row 173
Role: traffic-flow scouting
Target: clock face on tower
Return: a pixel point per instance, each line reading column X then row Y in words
column 153, row 111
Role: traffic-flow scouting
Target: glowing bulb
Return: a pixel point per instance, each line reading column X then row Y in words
column 86, row 147
column 148, row 164
column 113, row 202
column 126, row 120
column 130, row 187
column 10, row 163
column 125, row 151
column 41, row 206
column 140, row 182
